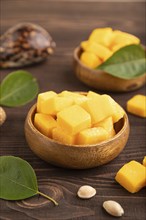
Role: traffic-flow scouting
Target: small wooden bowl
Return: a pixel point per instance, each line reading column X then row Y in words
column 75, row 156
column 101, row 80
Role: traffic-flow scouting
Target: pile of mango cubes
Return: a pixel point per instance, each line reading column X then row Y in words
column 102, row 43
column 77, row 119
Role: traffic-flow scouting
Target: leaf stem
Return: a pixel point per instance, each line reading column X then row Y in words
column 48, row 197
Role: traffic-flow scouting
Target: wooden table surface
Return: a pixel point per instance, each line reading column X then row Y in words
column 70, row 22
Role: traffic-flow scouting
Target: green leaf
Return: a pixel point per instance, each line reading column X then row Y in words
column 18, row 88
column 127, row 63
column 18, row 179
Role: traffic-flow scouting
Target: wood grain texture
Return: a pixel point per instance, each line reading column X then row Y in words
column 69, row 23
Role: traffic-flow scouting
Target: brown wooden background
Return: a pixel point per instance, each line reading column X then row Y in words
column 70, row 22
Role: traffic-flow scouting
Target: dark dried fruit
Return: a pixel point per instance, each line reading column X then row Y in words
column 25, row 44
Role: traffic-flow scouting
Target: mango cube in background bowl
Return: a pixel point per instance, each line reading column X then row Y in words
column 74, row 140
column 103, row 42
column 144, row 161
column 101, row 45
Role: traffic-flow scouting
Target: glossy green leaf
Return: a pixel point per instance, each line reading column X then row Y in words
column 127, row 63
column 18, row 88
column 18, row 179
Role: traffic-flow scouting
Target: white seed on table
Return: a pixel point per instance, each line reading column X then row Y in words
column 113, row 208
column 86, row 192
column 2, row 116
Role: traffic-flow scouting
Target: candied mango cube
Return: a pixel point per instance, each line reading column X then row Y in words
column 120, row 37
column 102, row 36
column 137, row 105
column 42, row 101
column 45, row 123
column 73, row 119
column 90, row 59
column 92, row 136
column 102, row 107
column 92, row 95
column 114, row 108
column 107, row 124
column 57, row 104
column 144, row 161
column 96, row 109
column 76, row 97
column 84, row 44
column 132, row 176
column 119, row 46
column 99, row 50
column 59, row 135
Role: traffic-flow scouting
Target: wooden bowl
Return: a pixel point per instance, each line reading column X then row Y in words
column 75, row 156
column 101, row 80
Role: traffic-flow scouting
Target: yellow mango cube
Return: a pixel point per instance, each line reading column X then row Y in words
column 120, row 37
column 57, row 104
column 101, row 107
column 107, row 124
column 114, row 108
column 92, row 95
column 59, row 135
column 92, row 136
column 84, row 44
column 144, row 161
column 99, row 50
column 90, row 59
column 137, row 105
column 132, row 176
column 95, row 108
column 119, row 46
column 45, row 124
column 102, row 36
column 73, row 119
column 76, row 97
column 42, row 101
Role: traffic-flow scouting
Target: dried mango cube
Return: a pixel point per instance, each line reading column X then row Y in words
column 144, row 161
column 76, row 97
column 73, row 119
column 132, row 176
column 84, row 44
column 45, row 123
column 92, row 95
column 114, row 108
column 120, row 37
column 42, row 101
column 102, row 36
column 102, row 107
column 92, row 136
column 107, row 124
column 99, row 50
column 57, row 104
column 90, row 59
column 96, row 109
column 119, row 46
column 137, row 105
column 59, row 135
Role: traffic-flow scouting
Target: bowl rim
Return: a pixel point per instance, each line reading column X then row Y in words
column 29, row 120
